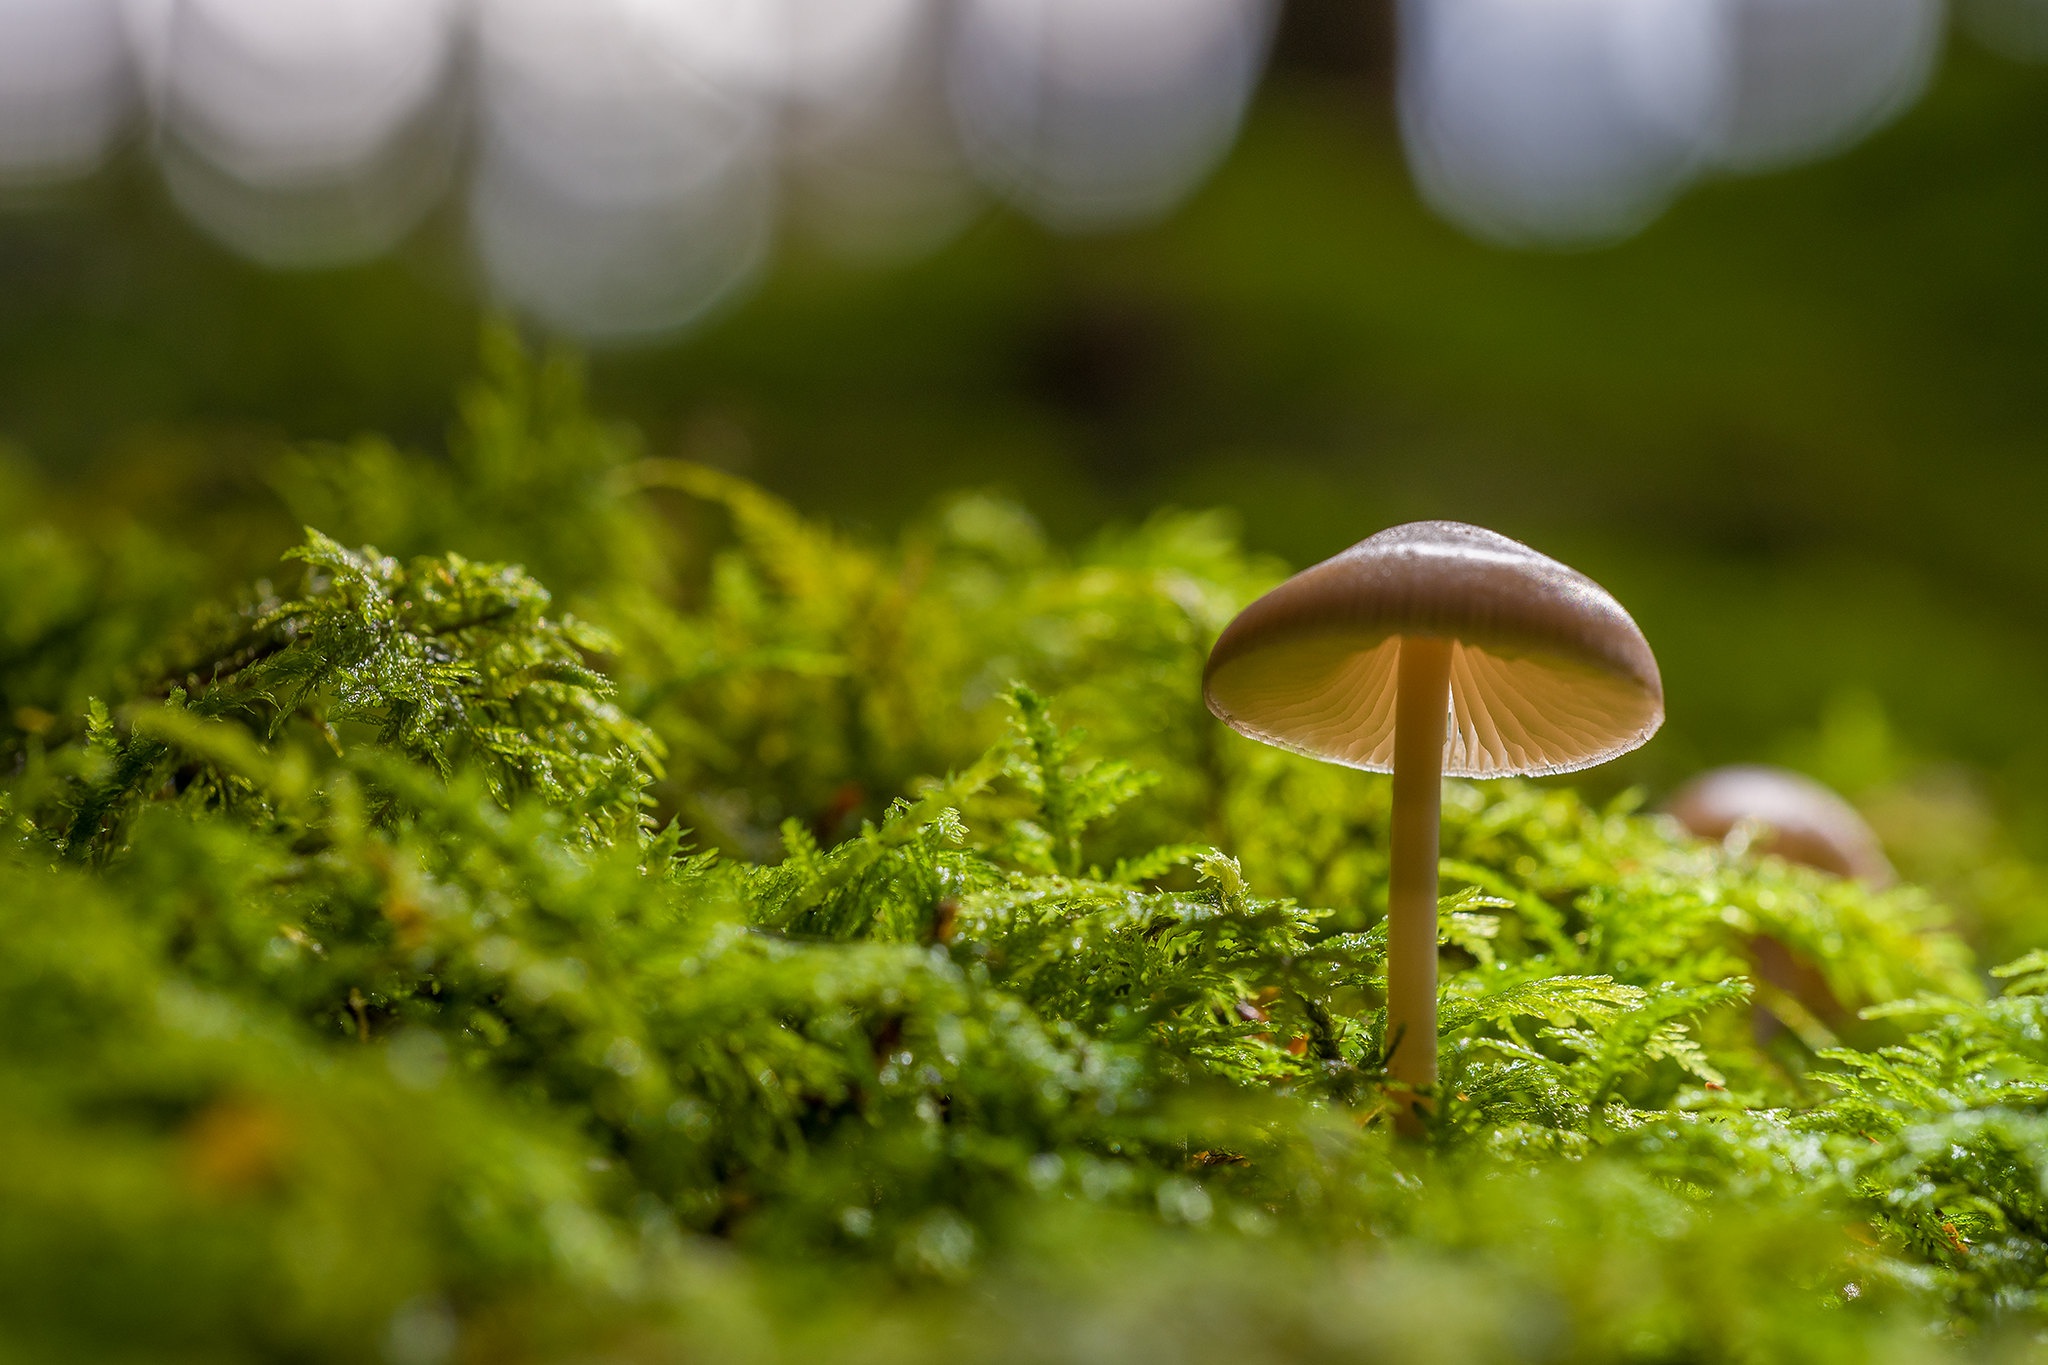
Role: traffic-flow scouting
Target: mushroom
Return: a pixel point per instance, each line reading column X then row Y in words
column 1430, row 649
column 1792, row 815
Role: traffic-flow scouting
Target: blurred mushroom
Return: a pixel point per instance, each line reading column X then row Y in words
column 1788, row 814
column 1430, row 649
column 1777, row 811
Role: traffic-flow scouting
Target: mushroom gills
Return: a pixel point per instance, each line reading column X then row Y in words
column 1331, row 696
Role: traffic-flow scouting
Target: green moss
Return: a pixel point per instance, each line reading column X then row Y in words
column 779, row 945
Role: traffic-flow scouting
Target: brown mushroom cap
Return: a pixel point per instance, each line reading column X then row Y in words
column 1801, row 820
column 1548, row 673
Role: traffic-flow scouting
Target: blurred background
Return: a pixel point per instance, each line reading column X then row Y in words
column 1738, row 305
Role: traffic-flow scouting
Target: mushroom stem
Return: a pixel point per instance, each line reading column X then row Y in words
column 1421, row 708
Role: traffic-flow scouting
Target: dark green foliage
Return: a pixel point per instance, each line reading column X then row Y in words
column 447, row 663
column 740, row 961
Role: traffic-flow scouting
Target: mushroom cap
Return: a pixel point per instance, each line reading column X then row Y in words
column 1548, row 673
column 1803, row 821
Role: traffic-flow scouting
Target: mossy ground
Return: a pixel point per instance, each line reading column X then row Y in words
column 615, row 918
